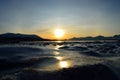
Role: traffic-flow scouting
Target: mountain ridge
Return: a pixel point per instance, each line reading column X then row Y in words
column 100, row 37
column 18, row 37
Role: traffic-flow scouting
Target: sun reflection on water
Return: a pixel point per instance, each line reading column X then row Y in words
column 57, row 47
column 59, row 58
column 64, row 64
column 56, row 53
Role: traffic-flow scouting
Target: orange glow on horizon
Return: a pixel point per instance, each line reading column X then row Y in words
column 52, row 36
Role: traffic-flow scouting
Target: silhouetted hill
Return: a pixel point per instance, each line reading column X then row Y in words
column 115, row 37
column 14, row 38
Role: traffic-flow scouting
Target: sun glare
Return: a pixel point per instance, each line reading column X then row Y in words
column 59, row 33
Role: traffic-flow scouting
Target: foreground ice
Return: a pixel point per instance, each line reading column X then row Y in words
column 35, row 60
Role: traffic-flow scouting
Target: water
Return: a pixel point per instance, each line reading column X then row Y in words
column 53, row 56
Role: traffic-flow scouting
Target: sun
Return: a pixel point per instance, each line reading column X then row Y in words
column 59, row 33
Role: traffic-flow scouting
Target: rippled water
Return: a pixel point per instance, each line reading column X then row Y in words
column 52, row 56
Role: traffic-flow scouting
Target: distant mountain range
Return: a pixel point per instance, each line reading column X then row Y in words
column 15, row 38
column 115, row 37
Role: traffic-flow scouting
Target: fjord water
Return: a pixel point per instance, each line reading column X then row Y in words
column 51, row 56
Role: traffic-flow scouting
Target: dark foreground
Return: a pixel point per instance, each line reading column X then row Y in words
column 91, row 72
column 60, row 61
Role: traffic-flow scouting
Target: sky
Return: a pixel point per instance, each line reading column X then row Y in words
column 77, row 18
